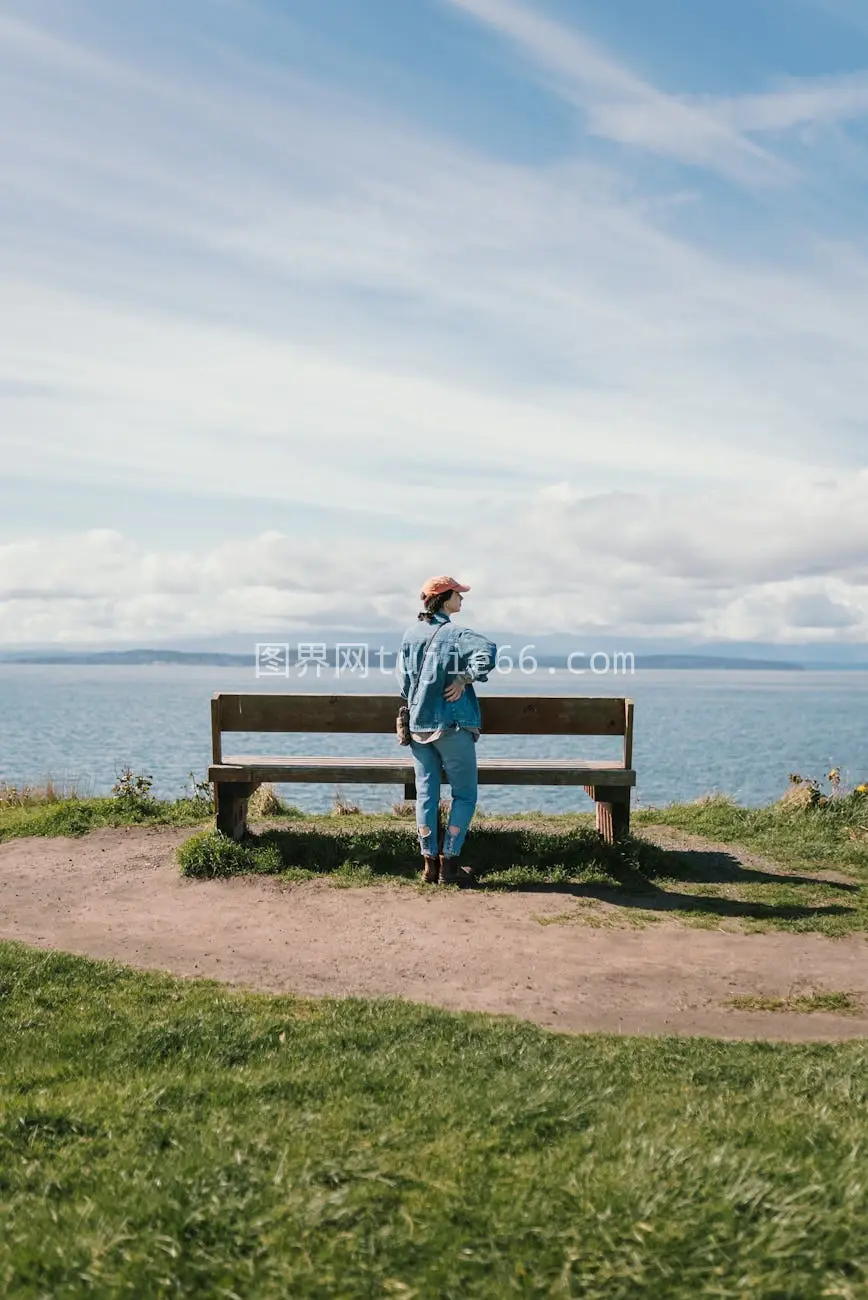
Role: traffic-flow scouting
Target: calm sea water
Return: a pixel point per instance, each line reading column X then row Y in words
column 696, row 732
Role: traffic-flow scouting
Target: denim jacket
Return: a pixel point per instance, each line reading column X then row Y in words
column 454, row 651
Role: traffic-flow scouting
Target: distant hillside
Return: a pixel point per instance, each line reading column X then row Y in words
column 717, row 661
column 130, row 657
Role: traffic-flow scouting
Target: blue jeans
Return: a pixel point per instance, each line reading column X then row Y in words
column 455, row 754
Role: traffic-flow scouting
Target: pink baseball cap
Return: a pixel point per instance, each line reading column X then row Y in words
column 436, row 586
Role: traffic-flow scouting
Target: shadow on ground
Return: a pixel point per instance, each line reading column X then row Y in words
column 576, row 863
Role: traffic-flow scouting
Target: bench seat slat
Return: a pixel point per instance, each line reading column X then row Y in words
column 396, row 771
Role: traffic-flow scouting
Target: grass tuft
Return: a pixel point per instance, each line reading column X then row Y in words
column 212, row 854
column 266, row 802
column 344, row 807
column 834, row 1002
column 28, row 796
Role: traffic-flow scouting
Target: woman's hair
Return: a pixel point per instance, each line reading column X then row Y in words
column 433, row 605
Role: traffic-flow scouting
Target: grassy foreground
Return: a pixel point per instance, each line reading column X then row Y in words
column 167, row 1138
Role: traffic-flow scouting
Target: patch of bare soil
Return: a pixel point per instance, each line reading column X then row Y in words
column 118, row 894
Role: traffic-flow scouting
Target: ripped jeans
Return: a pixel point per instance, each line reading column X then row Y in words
column 455, row 754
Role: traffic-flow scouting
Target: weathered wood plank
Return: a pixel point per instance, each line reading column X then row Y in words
column 216, row 735
column 399, row 771
column 611, row 767
column 628, row 733
column 501, row 714
column 231, row 798
column 553, row 716
column 613, row 812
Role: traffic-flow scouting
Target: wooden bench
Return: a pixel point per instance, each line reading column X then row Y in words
column 235, row 777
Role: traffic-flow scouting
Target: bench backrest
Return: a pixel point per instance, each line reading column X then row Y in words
column 510, row 715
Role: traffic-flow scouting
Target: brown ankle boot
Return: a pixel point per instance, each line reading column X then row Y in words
column 430, row 870
column 449, row 873
column 453, row 873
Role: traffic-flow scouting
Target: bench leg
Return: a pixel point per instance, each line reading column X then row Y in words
column 410, row 790
column 230, row 798
column 613, row 811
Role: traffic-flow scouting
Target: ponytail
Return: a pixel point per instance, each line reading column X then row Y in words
column 433, row 605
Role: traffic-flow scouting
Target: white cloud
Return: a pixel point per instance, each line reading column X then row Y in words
column 796, row 528
column 798, row 102
column 782, row 566
column 815, row 609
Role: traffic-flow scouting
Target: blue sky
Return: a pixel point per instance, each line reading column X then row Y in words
column 303, row 301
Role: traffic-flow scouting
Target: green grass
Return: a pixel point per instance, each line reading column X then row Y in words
column 588, row 911
column 42, row 811
column 78, row 816
column 519, row 855
column 832, row 1001
column 833, row 836
column 702, row 886
column 801, row 842
column 164, row 1138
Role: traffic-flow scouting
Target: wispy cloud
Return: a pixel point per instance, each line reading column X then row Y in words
column 713, row 132
column 798, row 103
column 619, row 326
column 621, row 105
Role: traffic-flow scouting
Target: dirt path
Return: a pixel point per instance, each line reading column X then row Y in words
column 118, row 894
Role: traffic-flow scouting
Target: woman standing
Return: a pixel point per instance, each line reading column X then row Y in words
column 438, row 664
